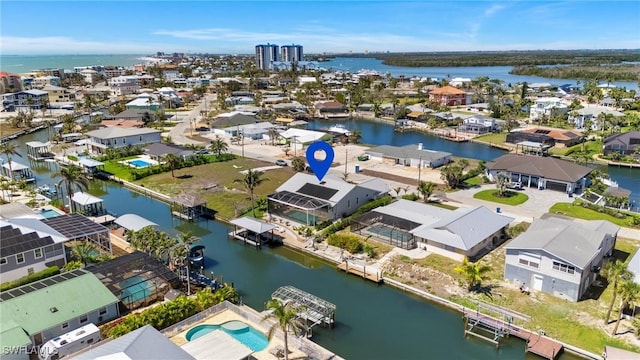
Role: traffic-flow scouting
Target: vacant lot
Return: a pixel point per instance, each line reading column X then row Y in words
column 215, row 183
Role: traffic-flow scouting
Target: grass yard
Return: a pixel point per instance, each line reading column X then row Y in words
column 227, row 197
column 577, row 211
column 513, row 198
column 493, row 138
column 123, row 171
column 591, row 148
column 474, row 181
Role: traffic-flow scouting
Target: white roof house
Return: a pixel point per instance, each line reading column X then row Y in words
column 302, row 136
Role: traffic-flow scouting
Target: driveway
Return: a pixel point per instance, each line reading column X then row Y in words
column 538, row 204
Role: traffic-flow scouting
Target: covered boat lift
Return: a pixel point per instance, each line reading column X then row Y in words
column 87, row 204
column 252, row 231
column 17, row 171
column 90, row 166
column 38, row 151
column 314, row 309
column 133, row 222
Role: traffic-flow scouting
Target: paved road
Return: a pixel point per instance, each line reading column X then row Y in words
column 186, row 120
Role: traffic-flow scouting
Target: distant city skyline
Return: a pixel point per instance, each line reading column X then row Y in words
column 116, row 27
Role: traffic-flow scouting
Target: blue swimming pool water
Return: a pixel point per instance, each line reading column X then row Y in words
column 49, row 213
column 139, row 163
column 135, row 289
column 242, row 332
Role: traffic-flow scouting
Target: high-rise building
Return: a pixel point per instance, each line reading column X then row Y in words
column 266, row 55
column 292, row 53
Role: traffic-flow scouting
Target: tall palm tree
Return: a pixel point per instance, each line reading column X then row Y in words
column 218, row 146
column 287, row 319
column 426, row 188
column 72, row 177
column 84, row 252
column 629, row 292
column 614, row 272
column 355, row 136
column 474, row 273
column 8, row 149
column 173, row 161
column 250, row 181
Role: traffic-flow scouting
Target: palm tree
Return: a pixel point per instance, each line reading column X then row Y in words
column 614, row 272
column 287, row 319
column 426, row 188
column 9, row 149
column 629, row 292
column 250, row 181
column 73, row 177
column 474, row 273
column 273, row 135
column 397, row 191
column 502, row 180
column 173, row 161
column 218, row 146
column 355, row 136
column 84, row 252
column 298, row 163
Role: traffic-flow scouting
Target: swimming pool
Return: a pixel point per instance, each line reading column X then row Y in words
column 49, row 213
column 139, row 163
column 136, row 288
column 301, row 217
column 250, row 337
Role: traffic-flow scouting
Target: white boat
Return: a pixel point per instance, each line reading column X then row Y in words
column 340, row 129
column 609, row 182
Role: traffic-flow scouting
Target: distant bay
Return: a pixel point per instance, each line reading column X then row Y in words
column 24, row 63
column 493, row 72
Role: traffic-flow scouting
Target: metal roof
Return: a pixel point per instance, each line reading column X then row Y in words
column 133, row 222
column 84, row 198
column 90, row 162
column 253, row 225
column 312, row 304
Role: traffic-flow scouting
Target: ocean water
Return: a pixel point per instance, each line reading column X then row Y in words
column 25, row 63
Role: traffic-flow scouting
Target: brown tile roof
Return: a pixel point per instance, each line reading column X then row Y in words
column 547, row 167
column 447, row 90
column 556, row 134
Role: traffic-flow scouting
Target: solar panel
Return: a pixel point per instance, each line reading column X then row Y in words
column 541, row 131
column 48, row 282
column 317, row 191
column 5, row 296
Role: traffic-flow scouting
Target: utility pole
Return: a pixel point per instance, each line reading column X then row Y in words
column 188, row 273
column 242, row 139
column 419, row 170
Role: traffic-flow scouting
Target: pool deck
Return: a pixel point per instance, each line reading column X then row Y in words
column 228, row 315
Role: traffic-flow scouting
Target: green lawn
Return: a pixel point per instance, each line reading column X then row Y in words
column 515, row 198
column 590, row 148
column 122, row 171
column 580, row 212
column 493, row 138
column 474, row 181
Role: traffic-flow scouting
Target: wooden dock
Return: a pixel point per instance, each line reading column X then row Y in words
column 536, row 343
column 361, row 270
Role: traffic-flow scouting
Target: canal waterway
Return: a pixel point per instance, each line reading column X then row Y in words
column 373, row 321
column 382, row 133
column 444, row 72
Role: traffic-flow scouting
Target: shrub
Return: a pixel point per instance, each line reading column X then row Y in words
column 411, row 197
column 385, row 200
column 72, row 157
column 349, row 242
column 335, row 227
column 48, row 272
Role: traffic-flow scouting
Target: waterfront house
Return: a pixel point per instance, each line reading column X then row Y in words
column 549, row 136
column 257, row 131
column 579, row 118
column 561, row 257
column 141, row 344
column 547, row 107
column 331, row 109
column 478, row 124
column 114, row 137
column 541, row 172
column 305, row 200
column 409, row 155
column 26, row 100
column 470, row 232
column 625, row 143
column 448, row 96
column 45, row 309
column 158, row 151
column 24, row 251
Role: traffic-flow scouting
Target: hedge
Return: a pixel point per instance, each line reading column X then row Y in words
column 48, row 272
column 349, row 242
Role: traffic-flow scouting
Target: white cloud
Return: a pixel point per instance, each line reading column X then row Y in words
column 493, row 9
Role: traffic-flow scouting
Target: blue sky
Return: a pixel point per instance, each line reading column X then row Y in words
column 113, row 27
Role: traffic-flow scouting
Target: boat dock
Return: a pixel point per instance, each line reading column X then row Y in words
column 477, row 323
column 372, row 274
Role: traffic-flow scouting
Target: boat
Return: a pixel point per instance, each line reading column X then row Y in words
column 46, row 189
column 196, row 257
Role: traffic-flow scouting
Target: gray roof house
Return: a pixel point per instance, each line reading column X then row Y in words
column 141, row 344
column 541, row 172
column 560, row 256
column 626, row 143
column 304, row 199
column 469, row 232
column 409, row 155
column 157, row 151
column 116, row 137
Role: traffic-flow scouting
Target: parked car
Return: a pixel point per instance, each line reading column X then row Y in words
column 515, row 185
column 281, row 162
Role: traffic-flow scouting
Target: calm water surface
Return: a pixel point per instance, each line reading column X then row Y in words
column 373, row 321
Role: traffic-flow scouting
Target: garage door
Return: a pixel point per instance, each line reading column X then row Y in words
column 552, row 185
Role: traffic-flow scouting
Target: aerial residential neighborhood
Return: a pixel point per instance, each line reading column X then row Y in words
column 174, row 205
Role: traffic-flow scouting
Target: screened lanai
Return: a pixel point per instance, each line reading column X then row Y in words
column 299, row 208
column 387, row 228
column 314, row 310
